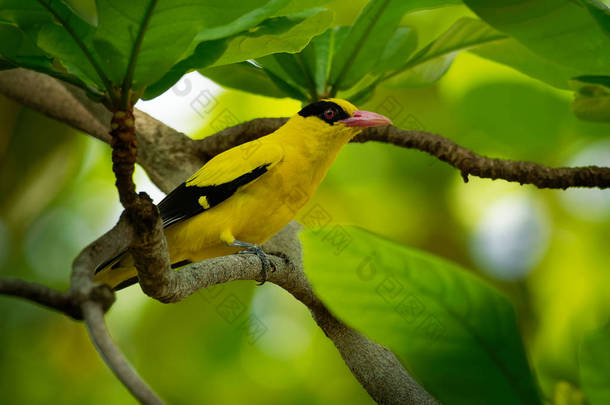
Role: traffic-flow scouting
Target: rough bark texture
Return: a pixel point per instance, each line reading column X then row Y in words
column 471, row 163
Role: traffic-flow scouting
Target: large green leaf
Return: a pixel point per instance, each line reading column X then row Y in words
column 244, row 76
column 600, row 12
column 363, row 46
column 168, row 29
column 511, row 52
column 456, row 334
column 281, row 34
column 318, row 56
column 57, row 31
column 561, row 31
column 17, row 49
column 592, row 99
column 431, row 62
column 397, row 50
column 296, row 6
column 594, row 361
column 274, row 35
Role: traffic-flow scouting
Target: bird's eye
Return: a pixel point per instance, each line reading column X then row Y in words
column 329, row 114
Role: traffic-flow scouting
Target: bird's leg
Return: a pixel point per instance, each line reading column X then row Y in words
column 251, row 248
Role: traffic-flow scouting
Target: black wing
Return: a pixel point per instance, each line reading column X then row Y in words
column 183, row 202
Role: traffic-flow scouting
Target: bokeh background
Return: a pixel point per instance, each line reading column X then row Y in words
column 548, row 251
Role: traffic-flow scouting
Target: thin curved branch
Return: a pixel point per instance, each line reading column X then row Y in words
column 463, row 159
column 43, row 295
column 471, row 163
column 96, row 326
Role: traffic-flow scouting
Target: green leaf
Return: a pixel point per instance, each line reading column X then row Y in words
column 60, row 33
column 296, row 6
column 376, row 25
column 457, row 335
column 244, row 76
column 278, row 34
column 171, row 27
column 592, row 99
column 397, row 50
column 600, row 12
column 281, row 78
column 512, row 53
column 594, row 362
column 430, row 63
column 318, row 55
column 561, row 31
column 17, row 49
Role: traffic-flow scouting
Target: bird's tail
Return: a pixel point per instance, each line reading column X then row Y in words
column 118, row 272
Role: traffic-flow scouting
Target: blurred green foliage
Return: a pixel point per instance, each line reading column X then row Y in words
column 57, row 194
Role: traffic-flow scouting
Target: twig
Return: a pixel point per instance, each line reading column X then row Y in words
column 60, row 301
column 94, row 319
column 471, row 163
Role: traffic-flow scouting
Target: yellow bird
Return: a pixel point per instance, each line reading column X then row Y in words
column 245, row 195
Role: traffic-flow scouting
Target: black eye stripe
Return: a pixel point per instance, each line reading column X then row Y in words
column 319, row 108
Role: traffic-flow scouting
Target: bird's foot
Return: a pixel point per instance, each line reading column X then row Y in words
column 251, row 248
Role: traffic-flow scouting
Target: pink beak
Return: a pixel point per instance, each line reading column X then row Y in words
column 366, row 119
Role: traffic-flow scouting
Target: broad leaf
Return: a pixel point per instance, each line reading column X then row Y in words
column 296, row 6
column 318, row 55
column 592, row 99
column 281, row 34
column 594, row 361
column 278, row 34
column 511, row 52
column 456, row 334
column 561, row 31
column 397, row 50
column 376, row 25
column 600, row 12
column 168, row 29
column 431, row 62
column 58, row 32
column 244, row 76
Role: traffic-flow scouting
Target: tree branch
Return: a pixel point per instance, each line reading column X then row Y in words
column 471, row 163
column 59, row 301
column 463, row 159
column 96, row 326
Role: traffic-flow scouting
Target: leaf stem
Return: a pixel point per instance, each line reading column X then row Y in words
column 131, row 67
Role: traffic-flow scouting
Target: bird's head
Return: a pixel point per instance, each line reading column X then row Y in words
column 339, row 118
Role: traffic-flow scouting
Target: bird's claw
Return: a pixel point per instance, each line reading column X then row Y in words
column 266, row 265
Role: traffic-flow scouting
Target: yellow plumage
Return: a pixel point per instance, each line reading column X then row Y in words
column 267, row 181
